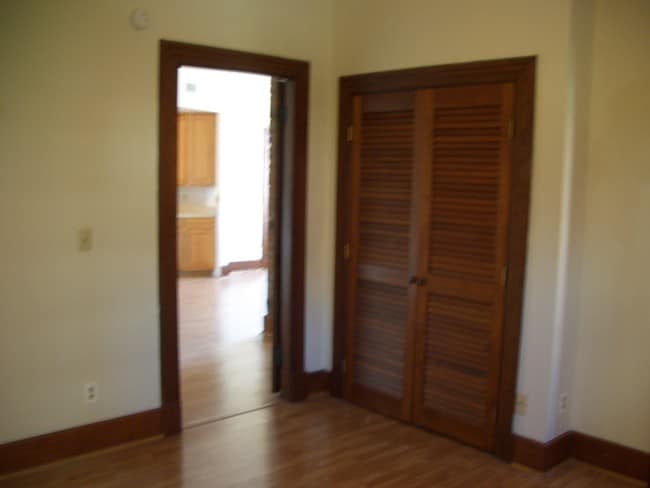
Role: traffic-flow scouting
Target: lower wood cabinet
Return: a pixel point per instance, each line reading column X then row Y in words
column 195, row 244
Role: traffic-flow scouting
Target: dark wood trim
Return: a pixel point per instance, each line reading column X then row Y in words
column 317, row 381
column 241, row 266
column 542, row 456
column 292, row 237
column 599, row 452
column 610, row 455
column 48, row 448
column 521, row 73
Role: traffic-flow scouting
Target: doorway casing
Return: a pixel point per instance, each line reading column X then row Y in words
column 289, row 231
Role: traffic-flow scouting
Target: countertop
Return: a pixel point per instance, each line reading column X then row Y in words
column 195, row 212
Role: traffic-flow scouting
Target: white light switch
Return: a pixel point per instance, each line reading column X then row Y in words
column 85, row 239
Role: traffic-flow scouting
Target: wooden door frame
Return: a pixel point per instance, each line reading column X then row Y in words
column 521, row 73
column 290, row 232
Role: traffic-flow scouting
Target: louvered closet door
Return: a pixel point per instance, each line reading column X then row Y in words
column 464, row 167
column 378, row 362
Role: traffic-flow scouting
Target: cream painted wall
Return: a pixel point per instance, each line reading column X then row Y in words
column 78, row 147
column 610, row 303
column 376, row 35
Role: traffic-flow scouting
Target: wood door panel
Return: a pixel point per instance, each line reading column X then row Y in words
column 460, row 310
column 381, row 231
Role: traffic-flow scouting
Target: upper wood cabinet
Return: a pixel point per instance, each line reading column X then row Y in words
column 197, row 149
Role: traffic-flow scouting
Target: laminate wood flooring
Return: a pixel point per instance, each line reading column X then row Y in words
column 323, row 442
column 225, row 359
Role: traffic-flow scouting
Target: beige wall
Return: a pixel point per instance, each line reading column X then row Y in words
column 78, row 146
column 375, row 35
column 610, row 303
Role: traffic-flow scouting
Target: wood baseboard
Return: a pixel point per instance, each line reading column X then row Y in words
column 599, row 452
column 26, row 453
column 242, row 266
column 542, row 456
column 317, row 381
column 196, row 274
column 609, row 455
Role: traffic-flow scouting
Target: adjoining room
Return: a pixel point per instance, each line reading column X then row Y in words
column 224, row 158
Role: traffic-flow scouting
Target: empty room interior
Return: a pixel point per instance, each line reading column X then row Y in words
column 325, row 243
column 223, row 167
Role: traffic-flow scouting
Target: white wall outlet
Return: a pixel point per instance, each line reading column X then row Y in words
column 564, row 402
column 85, row 239
column 91, row 392
column 521, row 404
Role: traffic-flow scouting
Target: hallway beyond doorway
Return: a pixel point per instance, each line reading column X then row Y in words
column 225, row 358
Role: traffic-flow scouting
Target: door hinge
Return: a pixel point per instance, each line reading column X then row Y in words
column 277, row 355
column 350, row 133
column 504, row 275
column 346, row 251
column 511, row 129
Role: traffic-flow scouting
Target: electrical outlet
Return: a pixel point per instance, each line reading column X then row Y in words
column 85, row 239
column 91, row 392
column 564, row 402
column 521, row 404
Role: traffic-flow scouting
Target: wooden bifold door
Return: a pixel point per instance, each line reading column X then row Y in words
column 428, row 202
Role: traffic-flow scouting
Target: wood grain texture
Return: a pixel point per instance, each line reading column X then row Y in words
column 321, row 442
column 225, row 358
column 47, row 448
column 196, row 149
column 292, row 203
column 464, row 216
column 520, row 73
column 196, row 244
column 381, row 230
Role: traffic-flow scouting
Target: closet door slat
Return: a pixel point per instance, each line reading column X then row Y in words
column 378, row 360
column 463, row 222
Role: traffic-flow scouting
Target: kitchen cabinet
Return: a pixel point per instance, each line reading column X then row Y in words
column 196, row 145
column 196, row 244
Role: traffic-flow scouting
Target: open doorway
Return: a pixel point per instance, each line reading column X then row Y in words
column 285, row 240
column 225, row 148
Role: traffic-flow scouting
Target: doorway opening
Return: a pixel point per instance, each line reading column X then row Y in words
column 232, row 325
column 225, row 145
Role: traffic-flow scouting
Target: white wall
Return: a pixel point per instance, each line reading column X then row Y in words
column 375, row 35
column 243, row 102
column 78, row 146
column 610, row 303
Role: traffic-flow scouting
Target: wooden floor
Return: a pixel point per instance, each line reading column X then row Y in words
column 225, row 359
column 321, row 442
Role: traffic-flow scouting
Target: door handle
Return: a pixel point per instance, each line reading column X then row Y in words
column 414, row 280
